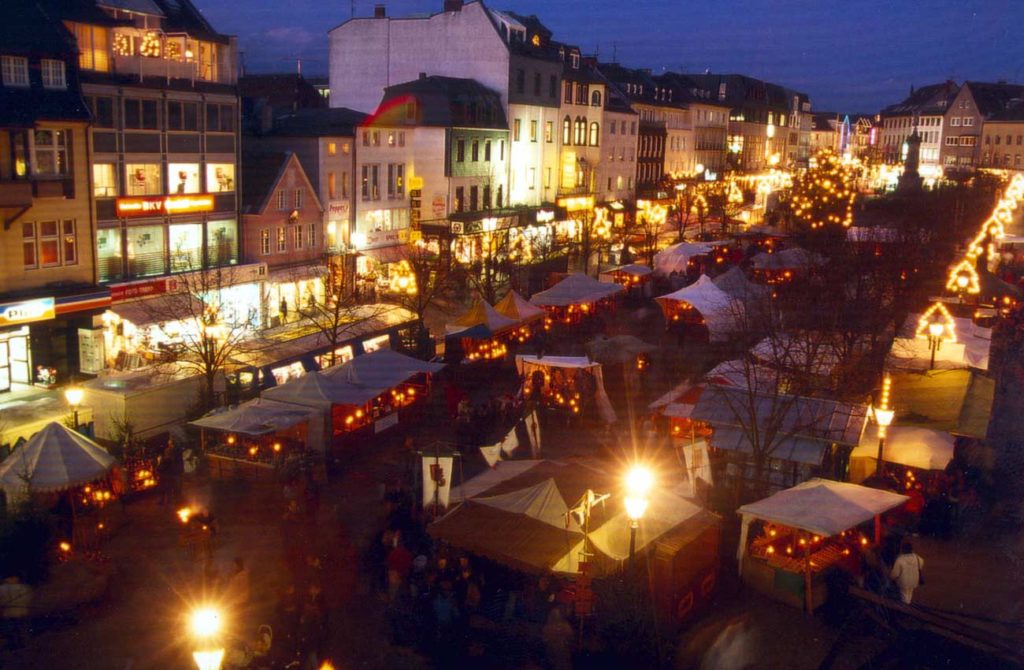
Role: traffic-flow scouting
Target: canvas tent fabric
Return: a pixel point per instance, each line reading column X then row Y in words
column 316, row 389
column 793, row 258
column 481, row 313
column 381, row 369
column 576, row 289
column 677, row 257
column 633, row 270
column 722, row 313
column 255, row 418
column 526, row 365
column 520, row 520
column 735, row 283
column 921, row 448
column 56, row 458
column 519, row 308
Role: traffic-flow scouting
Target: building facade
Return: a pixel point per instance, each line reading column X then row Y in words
column 963, row 124
column 924, row 110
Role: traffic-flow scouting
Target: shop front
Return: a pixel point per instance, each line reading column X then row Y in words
column 381, row 252
column 290, row 291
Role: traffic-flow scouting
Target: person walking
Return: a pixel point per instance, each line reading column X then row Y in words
column 907, row 571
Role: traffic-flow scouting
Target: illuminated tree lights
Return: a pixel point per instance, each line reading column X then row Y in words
column 963, row 277
column 824, row 195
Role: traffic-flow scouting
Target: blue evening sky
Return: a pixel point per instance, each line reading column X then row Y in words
column 848, row 55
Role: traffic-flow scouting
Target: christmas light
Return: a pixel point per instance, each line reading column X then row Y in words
column 937, row 314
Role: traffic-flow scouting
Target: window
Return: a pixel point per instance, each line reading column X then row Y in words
column 1009, row 140
column 299, row 193
column 49, row 243
column 567, row 131
column 282, row 200
column 396, row 180
column 282, row 239
column 547, row 177
column 297, row 236
column 50, row 153
column 952, row 141
column 366, row 138
column 968, row 120
column 516, row 129
column 611, row 128
column 182, row 115
column 141, row 114
column 475, row 151
column 186, row 246
column 331, row 186
column 553, row 87
column 520, row 80
column 265, row 241
column 14, row 70
column 536, row 84
column 344, row 184
column 375, row 138
column 220, row 177
column 93, row 46
column 460, row 198
column 332, row 149
column 146, row 248
column 531, row 178
column 999, row 138
column 460, row 151
column 311, row 236
column 595, row 99
column 549, row 132
column 102, row 111
column 967, row 140
column 143, row 179
column 955, row 121
column 53, row 73
column 474, row 198
column 501, row 150
column 595, row 134
column 104, row 180
column 487, row 151
column 392, row 138
column 574, row 58
column 220, row 118
column 28, row 235
column 581, row 94
column 487, row 196
column 533, row 131
column 371, row 182
column 580, row 131
column 183, row 177
column 401, row 138
column 632, row 128
column 568, row 92
column 498, row 198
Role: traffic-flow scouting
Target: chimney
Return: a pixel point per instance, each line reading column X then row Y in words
column 452, row 5
column 423, row 75
column 379, row 12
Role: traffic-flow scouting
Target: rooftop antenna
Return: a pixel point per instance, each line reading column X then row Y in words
column 615, row 52
column 241, row 63
column 352, row 11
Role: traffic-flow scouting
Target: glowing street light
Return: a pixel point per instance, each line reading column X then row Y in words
column 205, row 625
column 883, row 414
column 74, row 394
column 639, row 482
column 935, row 330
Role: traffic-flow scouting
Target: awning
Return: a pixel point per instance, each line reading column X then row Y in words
column 299, row 273
column 255, row 418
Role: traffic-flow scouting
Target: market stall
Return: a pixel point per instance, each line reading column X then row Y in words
column 790, row 541
column 260, row 433
column 567, row 384
column 705, row 305
column 526, row 515
column 574, row 298
column 679, row 257
column 62, row 469
column 734, row 283
column 907, row 447
column 527, row 316
column 481, row 334
column 632, row 276
column 781, row 266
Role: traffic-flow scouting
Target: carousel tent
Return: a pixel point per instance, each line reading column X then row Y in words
column 721, row 311
column 525, row 520
column 921, row 448
column 677, row 257
column 481, row 313
column 527, row 365
column 255, row 418
column 382, row 369
column 519, row 308
column 56, row 458
column 576, row 289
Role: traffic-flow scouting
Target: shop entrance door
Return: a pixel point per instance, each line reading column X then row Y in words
column 15, row 359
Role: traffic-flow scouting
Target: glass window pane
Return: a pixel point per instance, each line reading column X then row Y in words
column 48, row 228
column 49, row 252
column 220, row 177
column 146, row 251
column 186, row 246
column 184, row 177
column 108, row 254
column 104, row 180
column 29, row 253
column 143, row 179
column 222, row 242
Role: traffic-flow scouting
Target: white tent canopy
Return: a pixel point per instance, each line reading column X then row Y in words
column 482, row 313
column 971, row 349
column 256, row 418
column 676, row 257
column 735, row 283
column 56, row 458
column 526, row 365
column 382, row 369
column 317, row 390
column 722, row 313
column 576, row 289
column 519, row 308
column 921, row 448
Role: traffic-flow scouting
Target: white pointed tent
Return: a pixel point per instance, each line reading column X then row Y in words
column 677, row 257
column 56, row 458
column 482, row 313
column 576, row 289
column 723, row 314
column 519, row 308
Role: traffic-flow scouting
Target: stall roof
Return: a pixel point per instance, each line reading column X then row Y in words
column 255, row 418
column 956, row 401
column 576, row 289
column 618, row 349
column 317, row 390
column 676, row 257
column 971, row 348
column 921, row 448
column 824, row 507
column 793, row 258
column 519, row 308
column 382, row 369
column 633, row 269
column 735, row 283
column 56, row 458
column 722, row 313
column 482, row 313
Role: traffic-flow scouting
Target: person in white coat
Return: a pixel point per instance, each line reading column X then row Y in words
column 906, row 571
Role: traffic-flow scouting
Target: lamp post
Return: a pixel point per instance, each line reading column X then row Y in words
column 883, row 415
column 73, row 394
column 205, row 626
column 639, row 481
column 935, row 330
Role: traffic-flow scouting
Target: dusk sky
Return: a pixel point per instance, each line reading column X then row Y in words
column 848, row 56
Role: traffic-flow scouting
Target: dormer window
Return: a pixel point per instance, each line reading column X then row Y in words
column 575, row 62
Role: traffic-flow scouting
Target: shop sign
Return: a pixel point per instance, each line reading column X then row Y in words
column 138, row 290
column 338, row 210
column 438, row 206
column 383, row 423
column 545, row 216
column 163, row 205
column 90, row 351
column 384, row 238
column 40, row 309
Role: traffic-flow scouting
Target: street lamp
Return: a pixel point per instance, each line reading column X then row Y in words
column 883, row 414
column 639, row 481
column 935, row 330
column 73, row 394
column 205, row 626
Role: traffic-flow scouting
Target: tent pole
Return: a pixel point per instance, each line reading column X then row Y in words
column 878, row 530
column 808, row 595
